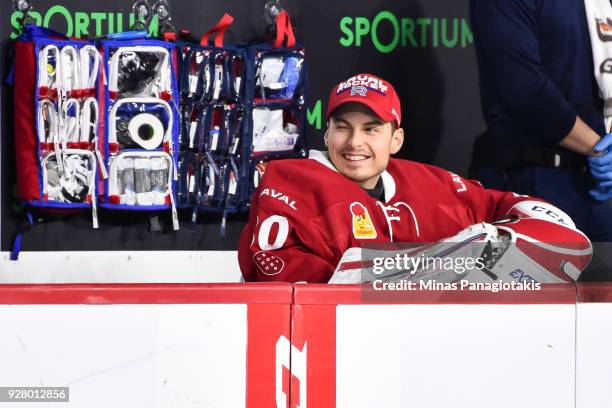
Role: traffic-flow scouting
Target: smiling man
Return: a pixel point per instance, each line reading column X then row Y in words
column 306, row 213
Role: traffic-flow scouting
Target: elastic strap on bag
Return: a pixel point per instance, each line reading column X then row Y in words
column 34, row 31
column 19, row 236
column 219, row 29
column 284, row 29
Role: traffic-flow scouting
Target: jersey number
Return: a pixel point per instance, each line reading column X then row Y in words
column 263, row 237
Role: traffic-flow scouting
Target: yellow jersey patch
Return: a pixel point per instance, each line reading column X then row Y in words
column 363, row 227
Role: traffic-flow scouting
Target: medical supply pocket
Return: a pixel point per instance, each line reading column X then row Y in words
column 69, row 181
column 224, row 130
column 209, row 183
column 66, row 69
column 190, row 170
column 194, row 121
column 220, row 77
column 140, row 181
column 196, row 75
column 279, row 75
column 213, row 75
column 69, row 177
column 236, row 68
column 219, row 184
column 140, row 123
column 232, row 178
column 277, row 128
column 142, row 69
column 49, row 72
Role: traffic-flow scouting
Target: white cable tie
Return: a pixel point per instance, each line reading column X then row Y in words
column 175, row 222
column 218, row 81
column 53, row 121
column 69, row 69
column 90, row 105
column 92, row 190
column 69, row 125
column 100, row 161
column 89, row 74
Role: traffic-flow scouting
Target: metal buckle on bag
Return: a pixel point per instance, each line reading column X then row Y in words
column 25, row 7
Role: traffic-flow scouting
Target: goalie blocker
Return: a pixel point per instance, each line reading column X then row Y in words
column 547, row 236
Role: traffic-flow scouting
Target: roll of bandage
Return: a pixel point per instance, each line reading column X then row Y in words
column 146, row 130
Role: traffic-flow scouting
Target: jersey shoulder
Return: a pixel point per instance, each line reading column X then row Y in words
column 412, row 169
column 428, row 178
column 311, row 184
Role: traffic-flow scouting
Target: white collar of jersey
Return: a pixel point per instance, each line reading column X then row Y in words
column 387, row 179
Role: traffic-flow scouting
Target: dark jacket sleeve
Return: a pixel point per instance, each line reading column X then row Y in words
column 506, row 38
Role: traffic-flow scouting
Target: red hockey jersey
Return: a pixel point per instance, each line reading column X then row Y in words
column 305, row 214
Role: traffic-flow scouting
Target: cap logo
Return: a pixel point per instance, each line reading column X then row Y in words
column 369, row 82
column 359, row 90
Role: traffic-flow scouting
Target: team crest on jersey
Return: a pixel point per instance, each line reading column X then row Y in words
column 268, row 264
column 363, row 227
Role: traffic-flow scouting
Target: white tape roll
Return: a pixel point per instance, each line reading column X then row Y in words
column 146, row 130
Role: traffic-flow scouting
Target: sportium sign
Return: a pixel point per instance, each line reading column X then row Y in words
column 80, row 24
column 386, row 32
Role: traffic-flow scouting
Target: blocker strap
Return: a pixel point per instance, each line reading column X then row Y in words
column 219, row 29
column 284, row 29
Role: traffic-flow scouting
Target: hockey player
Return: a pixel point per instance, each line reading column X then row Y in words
column 306, row 213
